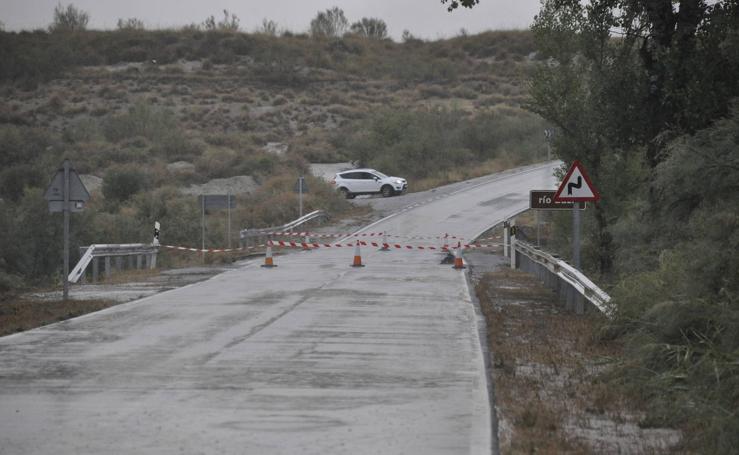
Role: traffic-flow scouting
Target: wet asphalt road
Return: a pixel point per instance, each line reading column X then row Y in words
column 310, row 357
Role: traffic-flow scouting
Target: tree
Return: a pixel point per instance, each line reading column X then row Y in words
column 613, row 97
column 69, row 19
column 454, row 4
column 370, row 28
column 329, row 24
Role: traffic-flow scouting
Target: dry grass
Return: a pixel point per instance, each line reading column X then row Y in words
column 18, row 314
column 547, row 374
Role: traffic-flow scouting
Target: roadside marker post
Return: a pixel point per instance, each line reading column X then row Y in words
column 576, row 187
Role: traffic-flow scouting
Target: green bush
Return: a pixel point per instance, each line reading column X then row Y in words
column 144, row 120
column 121, row 183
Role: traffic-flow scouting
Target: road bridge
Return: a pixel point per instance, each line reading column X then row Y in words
column 310, row 357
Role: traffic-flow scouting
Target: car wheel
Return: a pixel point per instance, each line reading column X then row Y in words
column 387, row 191
column 347, row 194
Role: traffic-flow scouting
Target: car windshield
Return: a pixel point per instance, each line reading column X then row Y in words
column 379, row 174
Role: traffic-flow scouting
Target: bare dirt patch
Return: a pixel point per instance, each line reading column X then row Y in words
column 548, row 374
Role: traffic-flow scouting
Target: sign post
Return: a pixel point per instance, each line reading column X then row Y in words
column 65, row 275
column 300, row 188
column 576, row 187
column 544, row 200
column 228, row 228
column 216, row 201
column 66, row 193
column 202, row 230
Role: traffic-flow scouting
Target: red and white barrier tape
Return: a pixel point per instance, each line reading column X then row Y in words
column 211, row 250
column 312, row 245
column 317, row 235
column 364, row 234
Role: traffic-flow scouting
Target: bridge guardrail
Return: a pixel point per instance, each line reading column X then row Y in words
column 139, row 255
column 246, row 234
column 572, row 285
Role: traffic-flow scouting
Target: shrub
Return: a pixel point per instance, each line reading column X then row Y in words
column 229, row 23
column 140, row 120
column 329, row 24
column 69, row 19
column 269, row 27
column 370, row 28
column 422, row 144
column 15, row 179
column 123, row 182
column 131, row 23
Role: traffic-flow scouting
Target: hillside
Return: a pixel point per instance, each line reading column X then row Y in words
column 153, row 113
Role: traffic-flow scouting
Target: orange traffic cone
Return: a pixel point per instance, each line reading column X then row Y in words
column 458, row 262
column 306, row 243
column 385, row 245
column 268, row 263
column 357, row 255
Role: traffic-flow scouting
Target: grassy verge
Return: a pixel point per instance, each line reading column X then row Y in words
column 18, row 314
column 551, row 395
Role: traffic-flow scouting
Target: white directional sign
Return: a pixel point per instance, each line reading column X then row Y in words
column 576, row 186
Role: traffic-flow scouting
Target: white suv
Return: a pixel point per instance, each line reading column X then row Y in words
column 367, row 181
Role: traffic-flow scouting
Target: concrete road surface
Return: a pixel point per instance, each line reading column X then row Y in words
column 312, row 357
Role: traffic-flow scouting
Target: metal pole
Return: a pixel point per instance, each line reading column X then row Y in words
column 300, row 189
column 66, row 230
column 228, row 203
column 538, row 228
column 202, row 233
column 576, row 235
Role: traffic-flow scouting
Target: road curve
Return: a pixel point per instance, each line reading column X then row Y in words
column 310, row 357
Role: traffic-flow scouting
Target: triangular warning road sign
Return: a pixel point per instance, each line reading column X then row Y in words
column 77, row 190
column 576, row 186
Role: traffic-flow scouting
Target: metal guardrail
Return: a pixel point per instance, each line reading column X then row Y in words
column 571, row 284
column 246, row 234
column 140, row 255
